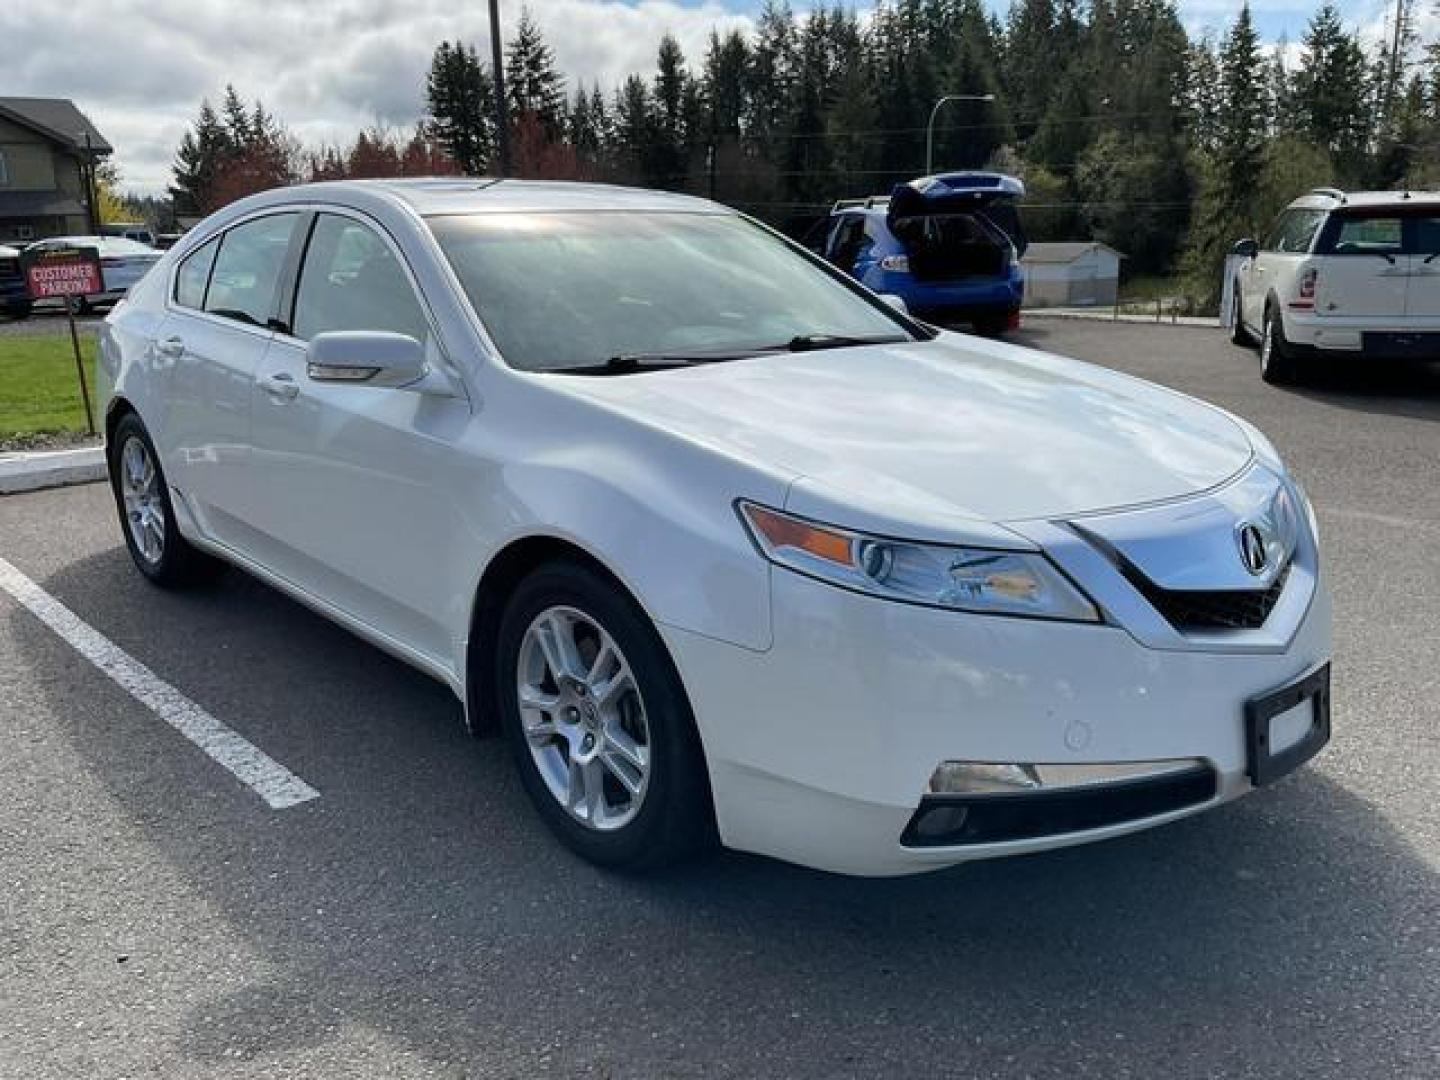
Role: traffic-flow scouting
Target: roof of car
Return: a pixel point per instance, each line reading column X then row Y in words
column 467, row 195
column 1333, row 198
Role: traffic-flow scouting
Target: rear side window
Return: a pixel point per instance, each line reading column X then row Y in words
column 351, row 280
column 194, row 275
column 1365, row 234
column 247, row 269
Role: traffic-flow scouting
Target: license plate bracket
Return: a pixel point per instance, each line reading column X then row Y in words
column 1265, row 766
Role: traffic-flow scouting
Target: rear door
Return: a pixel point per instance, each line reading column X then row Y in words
column 217, row 329
column 1364, row 268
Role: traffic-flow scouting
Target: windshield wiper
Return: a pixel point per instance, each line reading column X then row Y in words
column 624, row 363
column 811, row 342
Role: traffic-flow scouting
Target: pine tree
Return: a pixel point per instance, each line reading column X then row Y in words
column 1030, row 61
column 461, row 102
column 1330, row 89
column 204, row 148
column 727, row 65
column 668, row 156
column 532, row 81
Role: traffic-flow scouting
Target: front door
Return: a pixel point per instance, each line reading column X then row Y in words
column 355, row 498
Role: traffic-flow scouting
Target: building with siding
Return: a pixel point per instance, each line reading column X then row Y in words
column 1081, row 274
column 48, row 153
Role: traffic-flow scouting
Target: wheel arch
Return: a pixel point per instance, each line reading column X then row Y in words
column 118, row 407
column 502, row 574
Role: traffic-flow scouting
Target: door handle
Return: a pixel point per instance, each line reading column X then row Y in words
column 172, row 347
column 280, row 385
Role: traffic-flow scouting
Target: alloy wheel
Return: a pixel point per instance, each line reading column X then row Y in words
column 144, row 501
column 583, row 719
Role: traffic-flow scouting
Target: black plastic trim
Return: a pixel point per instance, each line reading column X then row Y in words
column 1003, row 817
column 1264, row 767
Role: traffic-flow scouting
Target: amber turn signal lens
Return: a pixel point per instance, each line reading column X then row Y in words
column 780, row 531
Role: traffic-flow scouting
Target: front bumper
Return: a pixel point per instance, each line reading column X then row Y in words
column 821, row 748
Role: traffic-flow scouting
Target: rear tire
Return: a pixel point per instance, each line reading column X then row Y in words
column 1238, row 334
column 617, row 774
column 992, row 326
column 147, row 516
column 1277, row 363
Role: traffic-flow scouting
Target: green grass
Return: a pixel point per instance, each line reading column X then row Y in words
column 39, row 392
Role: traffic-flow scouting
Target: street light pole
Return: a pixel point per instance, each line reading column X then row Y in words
column 502, row 120
column 930, row 127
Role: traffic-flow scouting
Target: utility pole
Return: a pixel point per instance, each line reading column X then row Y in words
column 497, row 63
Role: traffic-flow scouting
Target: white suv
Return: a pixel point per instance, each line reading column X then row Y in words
column 1342, row 275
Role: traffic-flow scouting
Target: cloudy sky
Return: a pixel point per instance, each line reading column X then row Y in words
column 139, row 68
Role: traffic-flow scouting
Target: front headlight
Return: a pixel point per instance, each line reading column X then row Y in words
column 960, row 578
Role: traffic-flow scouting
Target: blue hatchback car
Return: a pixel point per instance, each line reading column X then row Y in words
column 948, row 245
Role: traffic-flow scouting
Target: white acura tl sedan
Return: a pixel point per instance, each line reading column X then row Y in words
column 726, row 545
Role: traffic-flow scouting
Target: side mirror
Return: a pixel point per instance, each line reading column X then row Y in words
column 368, row 357
column 1246, row 249
column 896, row 302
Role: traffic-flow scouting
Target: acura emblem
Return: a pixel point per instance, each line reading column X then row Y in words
column 1252, row 549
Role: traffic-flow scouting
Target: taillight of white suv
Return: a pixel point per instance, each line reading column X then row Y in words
column 1305, row 289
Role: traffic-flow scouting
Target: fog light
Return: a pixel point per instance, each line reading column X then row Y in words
column 1015, row 777
column 973, row 777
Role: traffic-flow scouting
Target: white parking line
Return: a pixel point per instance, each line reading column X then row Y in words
column 274, row 783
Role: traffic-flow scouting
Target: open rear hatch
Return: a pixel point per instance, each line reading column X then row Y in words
column 957, row 225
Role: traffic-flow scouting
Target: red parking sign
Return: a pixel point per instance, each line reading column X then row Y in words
column 62, row 272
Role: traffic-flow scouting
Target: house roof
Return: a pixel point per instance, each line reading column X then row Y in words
column 55, row 118
column 28, row 204
column 1066, row 252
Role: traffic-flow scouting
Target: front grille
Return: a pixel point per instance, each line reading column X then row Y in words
column 1230, row 609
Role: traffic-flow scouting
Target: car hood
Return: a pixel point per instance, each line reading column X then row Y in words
column 954, row 428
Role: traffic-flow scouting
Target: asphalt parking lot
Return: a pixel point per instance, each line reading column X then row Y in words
column 416, row 919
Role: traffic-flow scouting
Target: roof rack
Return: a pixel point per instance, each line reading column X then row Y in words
column 868, row 203
column 1330, row 192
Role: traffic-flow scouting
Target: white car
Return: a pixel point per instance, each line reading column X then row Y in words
column 122, row 262
column 1351, row 276
column 726, row 545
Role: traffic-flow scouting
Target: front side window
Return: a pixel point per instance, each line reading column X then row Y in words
column 194, row 275
column 351, row 280
column 573, row 290
column 247, row 269
column 1293, row 231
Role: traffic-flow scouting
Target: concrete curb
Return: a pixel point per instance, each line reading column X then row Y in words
column 1107, row 315
column 57, row 468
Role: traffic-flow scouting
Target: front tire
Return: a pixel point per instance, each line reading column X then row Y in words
column 1277, row 363
column 599, row 723
column 147, row 516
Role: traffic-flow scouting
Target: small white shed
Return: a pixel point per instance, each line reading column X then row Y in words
column 1083, row 273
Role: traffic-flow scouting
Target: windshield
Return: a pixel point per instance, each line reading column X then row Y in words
column 573, row 290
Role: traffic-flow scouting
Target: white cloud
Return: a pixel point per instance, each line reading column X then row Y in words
column 325, row 68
